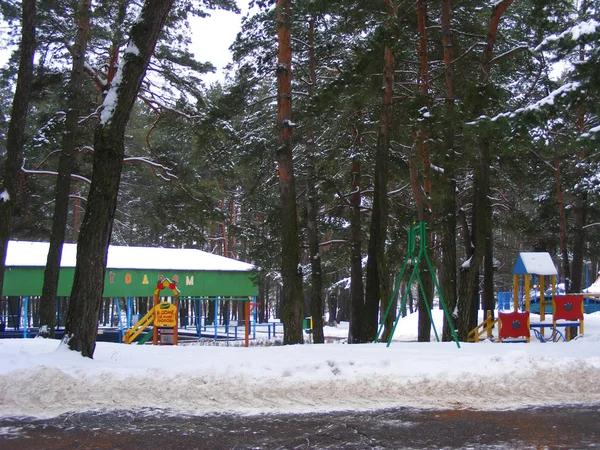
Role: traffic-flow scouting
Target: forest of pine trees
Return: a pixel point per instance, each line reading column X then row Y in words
column 338, row 127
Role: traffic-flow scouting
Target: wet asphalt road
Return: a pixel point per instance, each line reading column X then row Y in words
column 564, row 427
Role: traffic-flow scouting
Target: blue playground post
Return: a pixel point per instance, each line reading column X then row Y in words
column 129, row 312
column 216, row 318
column 198, row 318
column 118, row 308
column 505, row 301
column 255, row 318
column 226, row 321
column 25, row 308
column 57, row 313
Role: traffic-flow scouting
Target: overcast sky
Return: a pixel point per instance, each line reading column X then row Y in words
column 212, row 37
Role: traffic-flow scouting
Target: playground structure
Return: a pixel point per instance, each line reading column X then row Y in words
column 163, row 317
column 416, row 236
column 516, row 326
column 204, row 277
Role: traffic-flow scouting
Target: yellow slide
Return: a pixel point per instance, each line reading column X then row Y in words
column 134, row 331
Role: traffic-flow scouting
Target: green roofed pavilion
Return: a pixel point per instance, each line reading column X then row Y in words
column 132, row 271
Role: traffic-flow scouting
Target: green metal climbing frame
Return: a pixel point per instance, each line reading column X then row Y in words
column 414, row 232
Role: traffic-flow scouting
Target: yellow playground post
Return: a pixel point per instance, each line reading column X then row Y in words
column 534, row 263
column 163, row 316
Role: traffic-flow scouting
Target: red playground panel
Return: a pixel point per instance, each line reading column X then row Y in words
column 568, row 307
column 513, row 325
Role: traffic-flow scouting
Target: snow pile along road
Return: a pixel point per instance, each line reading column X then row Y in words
column 42, row 378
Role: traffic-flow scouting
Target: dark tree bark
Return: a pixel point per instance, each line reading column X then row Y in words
column 209, row 317
column 333, row 307
column 267, row 306
column 482, row 217
column 579, row 216
column 261, row 299
column 377, row 274
column 291, row 308
column 15, row 137
column 143, row 306
column 580, row 202
column 312, row 204
column 65, row 167
column 447, row 189
column 183, row 311
column 488, row 301
column 422, row 190
column 562, row 220
column 486, row 235
column 357, row 296
column 109, row 150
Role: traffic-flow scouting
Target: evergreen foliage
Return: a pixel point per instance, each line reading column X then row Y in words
column 200, row 162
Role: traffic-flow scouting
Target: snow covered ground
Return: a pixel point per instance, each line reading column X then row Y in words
column 41, row 378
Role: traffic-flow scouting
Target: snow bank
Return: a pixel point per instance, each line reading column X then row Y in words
column 42, row 378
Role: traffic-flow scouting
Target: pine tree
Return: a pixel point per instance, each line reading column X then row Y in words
column 88, row 284
column 16, row 130
column 65, row 167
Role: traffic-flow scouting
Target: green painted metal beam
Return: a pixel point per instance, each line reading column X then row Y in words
column 20, row 281
column 420, row 231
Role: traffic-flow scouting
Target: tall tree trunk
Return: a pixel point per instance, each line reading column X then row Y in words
column 377, row 273
column 312, row 204
column 423, row 300
column 261, row 296
column 481, row 233
column 357, row 295
column 489, row 301
column 423, row 191
column 209, row 318
column 579, row 210
column 562, row 219
column 447, row 190
column 579, row 216
column 291, row 308
column 65, row 167
column 76, row 214
column 15, row 137
column 109, row 150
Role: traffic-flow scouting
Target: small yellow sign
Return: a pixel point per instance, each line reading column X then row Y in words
column 165, row 315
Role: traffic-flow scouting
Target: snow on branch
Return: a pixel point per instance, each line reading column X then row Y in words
column 100, row 82
column 52, row 173
column 509, row 53
column 158, row 105
column 72, row 196
column 168, row 175
column 333, row 241
column 92, row 115
column 398, row 191
column 110, row 101
column 548, row 100
column 574, row 33
column 465, row 265
column 592, row 132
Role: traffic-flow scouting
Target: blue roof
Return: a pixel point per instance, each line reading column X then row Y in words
column 534, row 263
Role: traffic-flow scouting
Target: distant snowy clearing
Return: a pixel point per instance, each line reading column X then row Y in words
column 41, row 378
